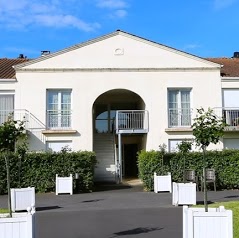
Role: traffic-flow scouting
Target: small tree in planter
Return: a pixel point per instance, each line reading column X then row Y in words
column 162, row 176
column 207, row 129
column 11, row 132
column 184, row 147
column 163, row 151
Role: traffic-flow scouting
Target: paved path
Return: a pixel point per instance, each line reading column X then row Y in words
column 116, row 211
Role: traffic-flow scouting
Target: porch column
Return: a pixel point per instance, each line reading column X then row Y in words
column 120, row 157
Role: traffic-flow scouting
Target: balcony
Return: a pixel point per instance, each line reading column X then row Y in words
column 58, row 120
column 180, row 117
column 132, row 122
column 230, row 116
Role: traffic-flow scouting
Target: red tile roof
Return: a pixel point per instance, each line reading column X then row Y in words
column 6, row 69
column 230, row 66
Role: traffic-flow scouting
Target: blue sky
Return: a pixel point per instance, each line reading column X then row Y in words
column 207, row 28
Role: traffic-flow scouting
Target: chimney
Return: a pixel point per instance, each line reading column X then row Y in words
column 21, row 56
column 45, row 52
column 236, row 55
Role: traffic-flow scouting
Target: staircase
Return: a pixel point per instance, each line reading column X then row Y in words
column 105, row 155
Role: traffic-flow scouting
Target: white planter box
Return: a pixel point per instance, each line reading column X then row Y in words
column 162, row 183
column 184, row 194
column 64, row 185
column 22, row 198
column 197, row 223
column 20, row 225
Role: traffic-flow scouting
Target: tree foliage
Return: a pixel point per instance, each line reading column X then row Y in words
column 11, row 132
column 207, row 128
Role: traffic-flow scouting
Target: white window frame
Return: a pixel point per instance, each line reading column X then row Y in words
column 179, row 140
column 63, row 142
column 59, row 116
column 179, row 106
column 232, row 145
column 170, row 146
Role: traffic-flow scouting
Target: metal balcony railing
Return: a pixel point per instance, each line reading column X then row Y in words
column 180, row 117
column 230, row 116
column 58, row 119
column 132, row 121
column 31, row 122
column 17, row 115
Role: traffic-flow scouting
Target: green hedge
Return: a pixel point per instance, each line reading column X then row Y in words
column 40, row 169
column 225, row 163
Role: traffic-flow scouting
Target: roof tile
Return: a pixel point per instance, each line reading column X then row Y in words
column 6, row 69
column 230, row 66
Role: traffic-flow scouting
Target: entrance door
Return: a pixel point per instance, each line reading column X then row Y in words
column 130, row 160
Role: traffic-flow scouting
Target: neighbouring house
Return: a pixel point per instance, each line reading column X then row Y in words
column 230, row 98
column 115, row 95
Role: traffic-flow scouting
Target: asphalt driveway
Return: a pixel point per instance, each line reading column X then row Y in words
column 113, row 211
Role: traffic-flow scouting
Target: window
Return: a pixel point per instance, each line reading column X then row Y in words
column 58, row 109
column 231, row 143
column 231, row 106
column 173, row 145
column 57, row 146
column 6, row 106
column 179, row 110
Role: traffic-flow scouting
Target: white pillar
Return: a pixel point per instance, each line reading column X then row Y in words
column 120, row 157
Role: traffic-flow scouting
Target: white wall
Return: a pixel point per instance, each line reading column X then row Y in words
column 151, row 87
column 152, row 70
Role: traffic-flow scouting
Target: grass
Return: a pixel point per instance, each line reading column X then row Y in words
column 234, row 206
column 4, row 210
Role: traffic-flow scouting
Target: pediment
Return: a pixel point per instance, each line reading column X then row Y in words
column 118, row 50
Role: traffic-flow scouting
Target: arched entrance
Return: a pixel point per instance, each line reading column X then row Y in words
column 120, row 131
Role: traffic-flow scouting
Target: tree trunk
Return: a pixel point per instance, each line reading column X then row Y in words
column 204, row 179
column 8, row 185
column 184, row 174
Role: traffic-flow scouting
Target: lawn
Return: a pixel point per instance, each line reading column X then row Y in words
column 234, row 206
column 4, row 210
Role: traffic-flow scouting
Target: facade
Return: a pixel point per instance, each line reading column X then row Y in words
column 230, row 98
column 115, row 95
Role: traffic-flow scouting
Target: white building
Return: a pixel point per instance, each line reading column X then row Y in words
column 116, row 91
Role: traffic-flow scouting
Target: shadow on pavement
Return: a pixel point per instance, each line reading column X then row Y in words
column 202, row 202
column 47, row 208
column 235, row 196
column 93, row 200
column 99, row 187
column 136, row 231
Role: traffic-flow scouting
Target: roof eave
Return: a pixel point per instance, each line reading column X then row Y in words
column 8, row 80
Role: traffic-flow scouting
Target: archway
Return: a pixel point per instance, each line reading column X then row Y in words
column 106, row 142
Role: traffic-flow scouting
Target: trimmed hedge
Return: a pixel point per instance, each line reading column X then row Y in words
column 225, row 163
column 40, row 169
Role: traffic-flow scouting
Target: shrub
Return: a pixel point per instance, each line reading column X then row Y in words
column 40, row 169
column 148, row 163
column 225, row 163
